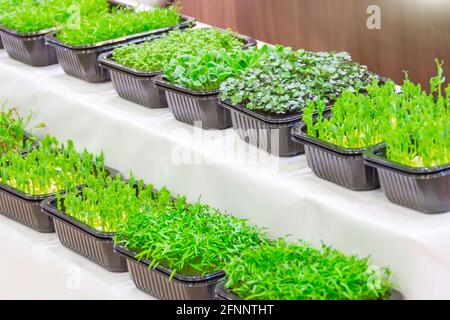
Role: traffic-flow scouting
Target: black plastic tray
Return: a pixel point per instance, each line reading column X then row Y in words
column 156, row 281
column 198, row 108
column 139, row 86
column 271, row 133
column 26, row 209
column 343, row 166
column 94, row 245
column 29, row 47
column 221, row 293
column 422, row 189
column 81, row 61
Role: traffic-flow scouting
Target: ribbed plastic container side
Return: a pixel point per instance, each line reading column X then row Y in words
column 98, row 251
column 348, row 171
column 138, row 90
column 158, row 285
column 25, row 212
column 82, row 65
column 193, row 110
column 425, row 195
column 32, row 52
column 272, row 139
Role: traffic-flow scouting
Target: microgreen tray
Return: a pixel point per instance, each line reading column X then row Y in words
column 221, row 293
column 28, row 48
column 81, row 61
column 271, row 133
column 199, row 108
column 139, row 86
column 343, row 166
column 422, row 189
column 155, row 281
column 95, row 245
column 26, row 209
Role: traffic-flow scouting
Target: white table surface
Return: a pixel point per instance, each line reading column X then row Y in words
column 280, row 194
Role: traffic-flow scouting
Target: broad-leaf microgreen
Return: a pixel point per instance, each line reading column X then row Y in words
column 284, row 81
column 206, row 70
column 156, row 54
column 191, row 239
column 116, row 24
column 299, row 271
column 52, row 167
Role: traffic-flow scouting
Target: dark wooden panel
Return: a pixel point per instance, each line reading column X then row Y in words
column 412, row 34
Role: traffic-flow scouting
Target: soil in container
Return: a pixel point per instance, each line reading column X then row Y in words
column 342, row 166
column 422, row 189
column 155, row 281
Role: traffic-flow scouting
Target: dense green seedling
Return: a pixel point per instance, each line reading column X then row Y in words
column 206, row 70
column 155, row 55
column 422, row 134
column 357, row 120
column 105, row 203
column 12, row 132
column 284, row 81
column 51, row 168
column 282, row 271
column 116, row 24
column 191, row 239
column 35, row 15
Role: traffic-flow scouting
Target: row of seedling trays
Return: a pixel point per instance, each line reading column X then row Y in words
column 49, row 213
column 423, row 189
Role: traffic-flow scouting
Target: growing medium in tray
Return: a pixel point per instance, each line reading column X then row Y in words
column 283, row 81
column 51, row 168
column 206, row 70
column 190, row 239
column 105, row 203
column 299, row 271
column 118, row 23
column 153, row 56
column 33, row 16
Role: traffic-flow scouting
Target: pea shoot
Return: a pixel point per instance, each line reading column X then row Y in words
column 50, row 168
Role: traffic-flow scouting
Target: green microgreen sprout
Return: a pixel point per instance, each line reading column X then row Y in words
column 189, row 238
column 35, row 15
column 119, row 23
column 298, row 271
column 13, row 136
column 284, row 81
column 154, row 55
column 52, row 167
column 206, row 70
column 105, row 203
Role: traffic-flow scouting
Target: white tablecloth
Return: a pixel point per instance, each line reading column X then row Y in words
column 280, row 194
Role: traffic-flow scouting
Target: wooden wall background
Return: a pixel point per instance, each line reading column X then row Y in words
column 412, row 34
